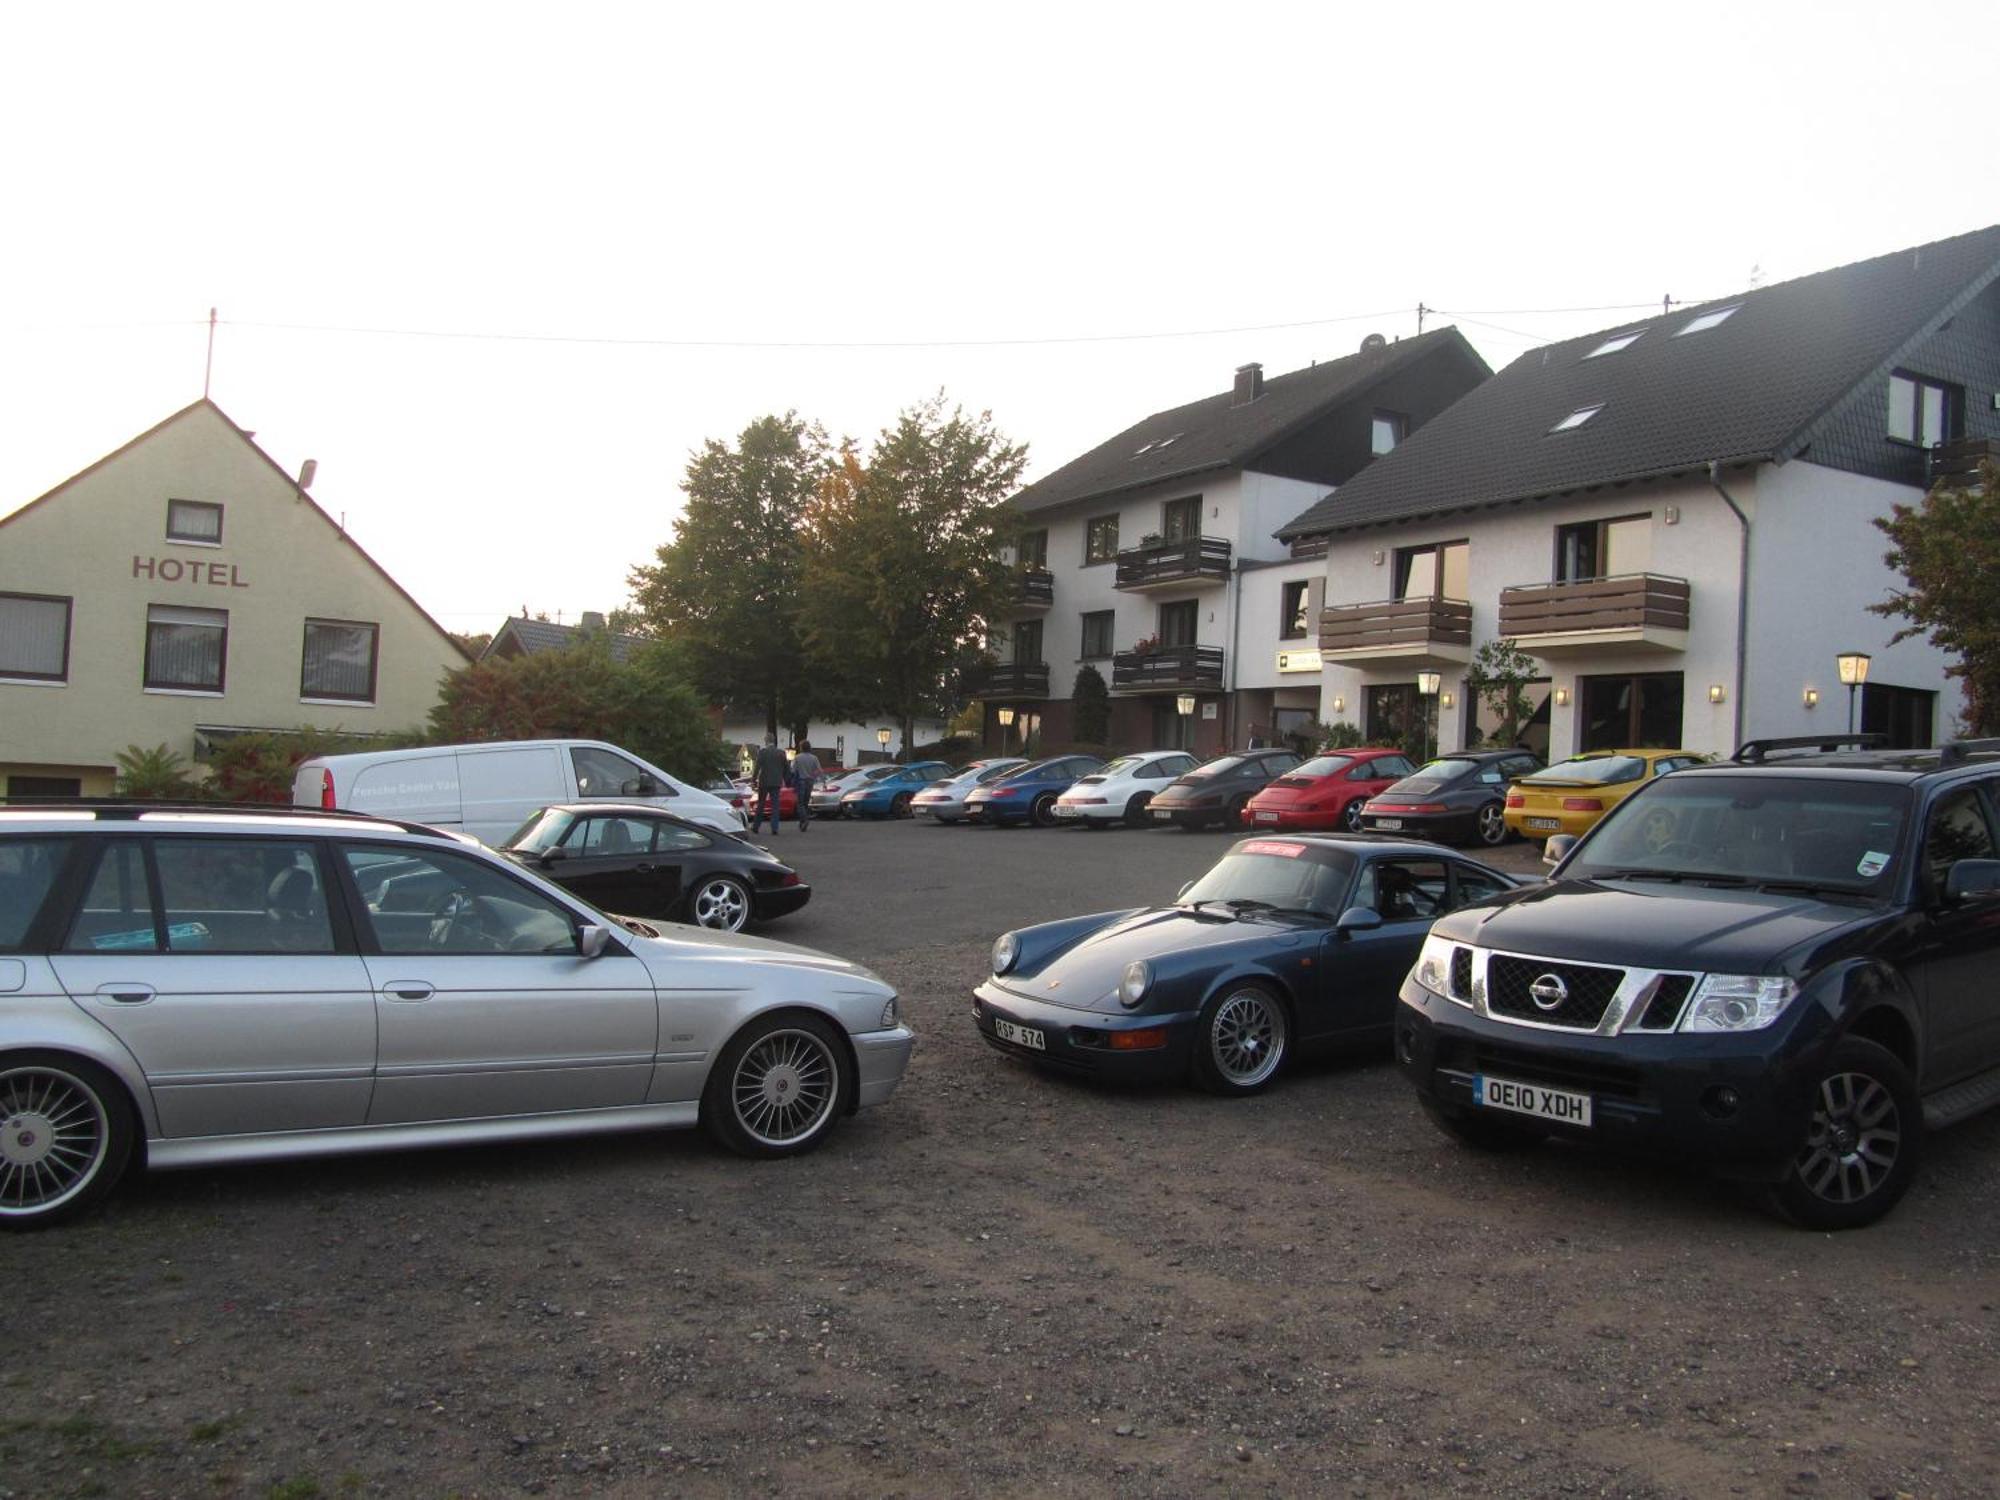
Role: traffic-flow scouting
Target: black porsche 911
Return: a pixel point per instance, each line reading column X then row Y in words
column 1285, row 944
column 635, row 860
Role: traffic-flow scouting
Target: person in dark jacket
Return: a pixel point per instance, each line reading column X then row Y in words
column 770, row 774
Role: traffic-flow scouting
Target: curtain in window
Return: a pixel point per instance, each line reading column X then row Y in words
column 339, row 661
column 194, row 521
column 184, row 647
column 34, row 635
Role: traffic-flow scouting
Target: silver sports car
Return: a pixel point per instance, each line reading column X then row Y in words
column 945, row 800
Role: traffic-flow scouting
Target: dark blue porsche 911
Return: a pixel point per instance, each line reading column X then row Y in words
column 1285, row 944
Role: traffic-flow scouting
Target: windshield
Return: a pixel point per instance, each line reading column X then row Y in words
column 994, row 773
column 1028, row 772
column 1593, row 770
column 1449, row 768
column 1219, row 767
column 1285, row 877
column 1323, row 765
column 545, row 830
column 1754, row 828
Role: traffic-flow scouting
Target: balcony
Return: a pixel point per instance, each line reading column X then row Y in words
column 1957, row 464
column 1637, row 611
column 1195, row 561
column 1397, row 630
column 1034, row 588
column 1015, row 679
column 1169, row 669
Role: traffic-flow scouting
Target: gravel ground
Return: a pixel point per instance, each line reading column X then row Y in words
column 1007, row 1284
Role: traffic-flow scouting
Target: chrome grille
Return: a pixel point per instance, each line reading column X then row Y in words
column 1586, row 991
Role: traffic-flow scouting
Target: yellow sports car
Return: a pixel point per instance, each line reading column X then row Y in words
column 1573, row 794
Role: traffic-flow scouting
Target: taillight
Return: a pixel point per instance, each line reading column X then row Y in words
column 326, row 789
column 791, row 877
column 1583, row 804
column 1426, row 807
column 1516, row 799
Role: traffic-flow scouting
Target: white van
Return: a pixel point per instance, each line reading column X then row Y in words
column 490, row 790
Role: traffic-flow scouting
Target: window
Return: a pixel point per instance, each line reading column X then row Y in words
column 1616, row 342
column 1292, row 611
column 1100, row 539
column 339, row 661
column 34, row 637
column 27, row 873
column 1097, row 627
column 1924, row 412
column 1405, row 890
column 1577, row 418
column 1439, row 571
column 242, row 896
column 44, row 786
column 1385, row 430
column 1178, row 623
column 1708, row 320
column 1904, row 715
column 600, row 773
column 1180, row 520
column 1632, row 713
column 1034, row 548
column 186, row 649
column 1477, row 885
column 1603, row 549
column 1028, row 642
column 1958, row 830
column 117, row 911
column 436, row 903
column 194, row 521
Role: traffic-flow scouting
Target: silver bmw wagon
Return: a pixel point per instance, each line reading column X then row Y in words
column 190, row 986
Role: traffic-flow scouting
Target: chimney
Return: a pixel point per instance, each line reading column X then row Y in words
column 592, row 620
column 1249, row 384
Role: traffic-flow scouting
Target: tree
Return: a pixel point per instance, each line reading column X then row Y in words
column 1090, row 707
column 903, row 581
column 1499, row 678
column 727, row 587
column 1948, row 550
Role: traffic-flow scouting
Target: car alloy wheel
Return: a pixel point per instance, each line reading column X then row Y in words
column 1493, row 824
column 1043, row 813
column 1862, row 1141
column 65, row 1136
column 1135, row 810
column 1242, row 1041
column 1350, row 817
column 900, row 807
column 779, row 1086
column 720, row 902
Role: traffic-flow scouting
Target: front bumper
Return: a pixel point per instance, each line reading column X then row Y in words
column 1079, row 1041
column 1737, row 1104
column 880, row 1057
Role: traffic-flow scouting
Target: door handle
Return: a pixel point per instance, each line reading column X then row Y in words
column 124, row 992
column 646, row 869
column 408, row 989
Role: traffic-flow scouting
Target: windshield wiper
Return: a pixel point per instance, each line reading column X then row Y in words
column 1698, row 877
column 1246, row 903
column 1811, row 888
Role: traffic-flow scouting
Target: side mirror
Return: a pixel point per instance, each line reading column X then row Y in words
column 591, row 939
column 551, row 856
column 1358, row 919
column 1971, row 879
column 1558, row 845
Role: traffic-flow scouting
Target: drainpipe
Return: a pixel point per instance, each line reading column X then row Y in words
column 1229, row 660
column 1742, row 590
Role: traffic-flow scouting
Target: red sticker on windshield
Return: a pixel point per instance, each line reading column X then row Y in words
column 1267, row 846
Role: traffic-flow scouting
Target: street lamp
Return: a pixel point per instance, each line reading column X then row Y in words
column 1428, row 684
column 1184, row 705
column 1006, row 718
column 882, row 738
column 1853, row 672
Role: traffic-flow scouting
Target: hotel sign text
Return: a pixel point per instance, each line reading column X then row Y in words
column 179, row 570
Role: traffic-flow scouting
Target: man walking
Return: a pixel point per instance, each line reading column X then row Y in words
column 805, row 771
column 770, row 774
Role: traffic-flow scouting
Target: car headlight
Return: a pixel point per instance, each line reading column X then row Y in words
column 1433, row 966
column 1739, row 1002
column 1134, row 982
column 888, row 1020
column 1006, row 949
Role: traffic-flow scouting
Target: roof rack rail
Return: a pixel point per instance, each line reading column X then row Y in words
column 116, row 808
column 1955, row 752
column 1754, row 752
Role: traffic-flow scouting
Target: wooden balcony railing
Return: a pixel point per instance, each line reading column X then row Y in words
column 1958, row 463
column 1034, row 588
column 1168, row 669
column 1396, row 628
column 1633, row 603
column 1015, row 679
column 1198, row 559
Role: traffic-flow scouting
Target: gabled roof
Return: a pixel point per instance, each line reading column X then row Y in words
column 1216, row 433
column 250, row 442
column 1754, row 387
column 530, row 637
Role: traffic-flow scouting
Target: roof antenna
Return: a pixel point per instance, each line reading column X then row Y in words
column 1421, row 310
column 208, row 365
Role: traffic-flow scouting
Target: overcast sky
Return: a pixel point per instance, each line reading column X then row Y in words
column 498, row 268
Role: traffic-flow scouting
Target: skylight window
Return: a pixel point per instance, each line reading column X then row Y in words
column 1167, row 442
column 1143, row 448
column 1577, row 418
column 1708, row 320
column 1616, row 342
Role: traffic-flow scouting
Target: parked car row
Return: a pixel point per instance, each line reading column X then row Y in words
column 1778, row 966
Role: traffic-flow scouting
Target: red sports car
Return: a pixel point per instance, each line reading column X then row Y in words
column 1326, row 792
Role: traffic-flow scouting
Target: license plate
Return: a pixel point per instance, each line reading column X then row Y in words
column 1389, row 823
column 1554, row 825
column 1162, row 814
column 1021, row 1036
column 1267, row 817
column 1068, row 812
column 1531, row 1099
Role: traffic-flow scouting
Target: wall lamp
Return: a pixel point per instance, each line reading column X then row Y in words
column 1339, row 704
column 1446, row 700
column 1812, row 698
column 1715, row 693
column 1562, row 697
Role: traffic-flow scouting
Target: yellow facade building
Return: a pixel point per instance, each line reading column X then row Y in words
column 184, row 589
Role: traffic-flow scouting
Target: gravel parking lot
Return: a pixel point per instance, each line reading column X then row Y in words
column 1006, row 1283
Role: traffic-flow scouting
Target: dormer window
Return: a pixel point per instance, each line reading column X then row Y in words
column 194, row 521
column 1924, row 411
column 1577, row 418
column 1387, row 429
column 1616, row 342
column 1709, row 320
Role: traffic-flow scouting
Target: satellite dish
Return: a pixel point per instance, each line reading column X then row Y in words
column 1372, row 342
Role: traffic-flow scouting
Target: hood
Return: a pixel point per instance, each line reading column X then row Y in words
column 1086, row 976
column 1654, row 925
column 670, row 955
